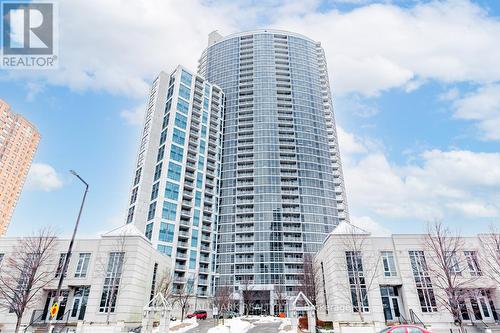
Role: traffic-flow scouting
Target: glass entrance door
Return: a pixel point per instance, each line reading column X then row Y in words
column 391, row 303
column 79, row 306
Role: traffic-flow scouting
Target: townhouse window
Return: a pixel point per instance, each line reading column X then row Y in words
column 389, row 263
column 423, row 282
column 60, row 265
column 152, row 211
column 172, row 191
column 452, row 262
column 112, row 282
column 357, row 281
column 169, row 211
column 473, row 263
column 149, row 231
column 82, row 265
column 176, row 153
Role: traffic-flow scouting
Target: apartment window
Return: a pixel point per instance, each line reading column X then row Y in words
column 130, row 214
column 201, row 163
column 60, row 265
column 174, row 171
column 423, row 282
column 197, row 199
column 169, row 211
column 196, row 217
column 357, row 282
column 170, row 92
column 205, row 103
column 473, row 263
column 112, row 282
column 184, row 92
column 176, row 153
column 152, row 211
column 163, row 137
column 389, row 263
column 165, row 121
column 172, row 191
column 167, row 232
column 194, row 238
column 82, row 265
column 154, row 191
column 204, row 118
column 207, row 89
column 169, row 104
column 199, row 180
column 203, row 131
column 149, row 231
column 157, row 171
column 180, row 121
column 203, row 145
column 161, row 152
column 179, row 137
column 165, row 249
column 186, row 78
column 133, row 197
column 137, row 176
column 182, row 106
column 192, row 259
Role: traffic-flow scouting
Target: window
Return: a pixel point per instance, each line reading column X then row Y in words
column 359, row 294
column 205, row 103
column 452, row 262
column 179, row 137
column 1, row 258
column 199, row 180
column 169, row 103
column 207, row 89
column 158, row 171
column 174, row 171
column 165, row 121
column 153, row 282
column 152, row 211
column 203, row 145
column 389, row 263
column 180, row 121
column 82, row 265
column 112, row 282
column 133, row 196
column 149, row 231
column 201, row 163
column 473, row 263
column 169, row 211
column 186, row 78
column 165, row 249
column 161, row 152
column 176, row 153
column 324, row 287
column 154, row 191
column 137, row 176
column 197, row 199
column 184, row 92
column 172, row 191
column 163, row 137
column 60, row 265
column 203, row 131
column 194, row 238
column 204, row 118
column 192, row 259
column 130, row 214
column 167, row 232
column 182, row 106
column 196, row 217
column 423, row 282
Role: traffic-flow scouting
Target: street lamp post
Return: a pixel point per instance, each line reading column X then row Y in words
column 58, row 295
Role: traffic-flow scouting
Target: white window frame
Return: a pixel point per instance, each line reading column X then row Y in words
column 392, row 269
column 82, row 265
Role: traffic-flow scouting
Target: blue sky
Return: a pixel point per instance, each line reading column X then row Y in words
column 416, row 89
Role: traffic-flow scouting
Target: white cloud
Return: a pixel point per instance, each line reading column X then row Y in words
column 368, row 224
column 121, row 47
column 482, row 106
column 134, row 116
column 437, row 185
column 43, row 177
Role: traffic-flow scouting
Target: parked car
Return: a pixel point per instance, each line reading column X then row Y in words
column 199, row 314
column 405, row 329
column 228, row 314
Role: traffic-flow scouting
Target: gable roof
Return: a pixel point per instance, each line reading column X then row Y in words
column 126, row 230
column 346, row 228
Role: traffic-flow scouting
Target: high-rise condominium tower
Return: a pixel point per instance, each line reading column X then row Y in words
column 282, row 188
column 174, row 194
column 18, row 142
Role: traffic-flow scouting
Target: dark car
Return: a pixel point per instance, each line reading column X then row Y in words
column 199, row 314
column 228, row 314
column 405, row 329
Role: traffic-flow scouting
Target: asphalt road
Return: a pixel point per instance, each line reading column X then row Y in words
column 203, row 326
column 265, row 328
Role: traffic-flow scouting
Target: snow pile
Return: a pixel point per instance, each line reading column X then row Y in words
column 286, row 326
column 269, row 320
column 235, row 325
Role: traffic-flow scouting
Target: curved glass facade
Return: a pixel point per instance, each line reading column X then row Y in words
column 281, row 182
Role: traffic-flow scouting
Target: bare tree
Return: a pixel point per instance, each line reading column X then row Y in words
column 222, row 299
column 361, row 267
column 281, row 298
column 26, row 271
column 446, row 266
column 310, row 279
column 183, row 295
column 165, row 285
column 490, row 259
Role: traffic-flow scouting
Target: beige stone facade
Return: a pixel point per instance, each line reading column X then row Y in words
column 18, row 142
